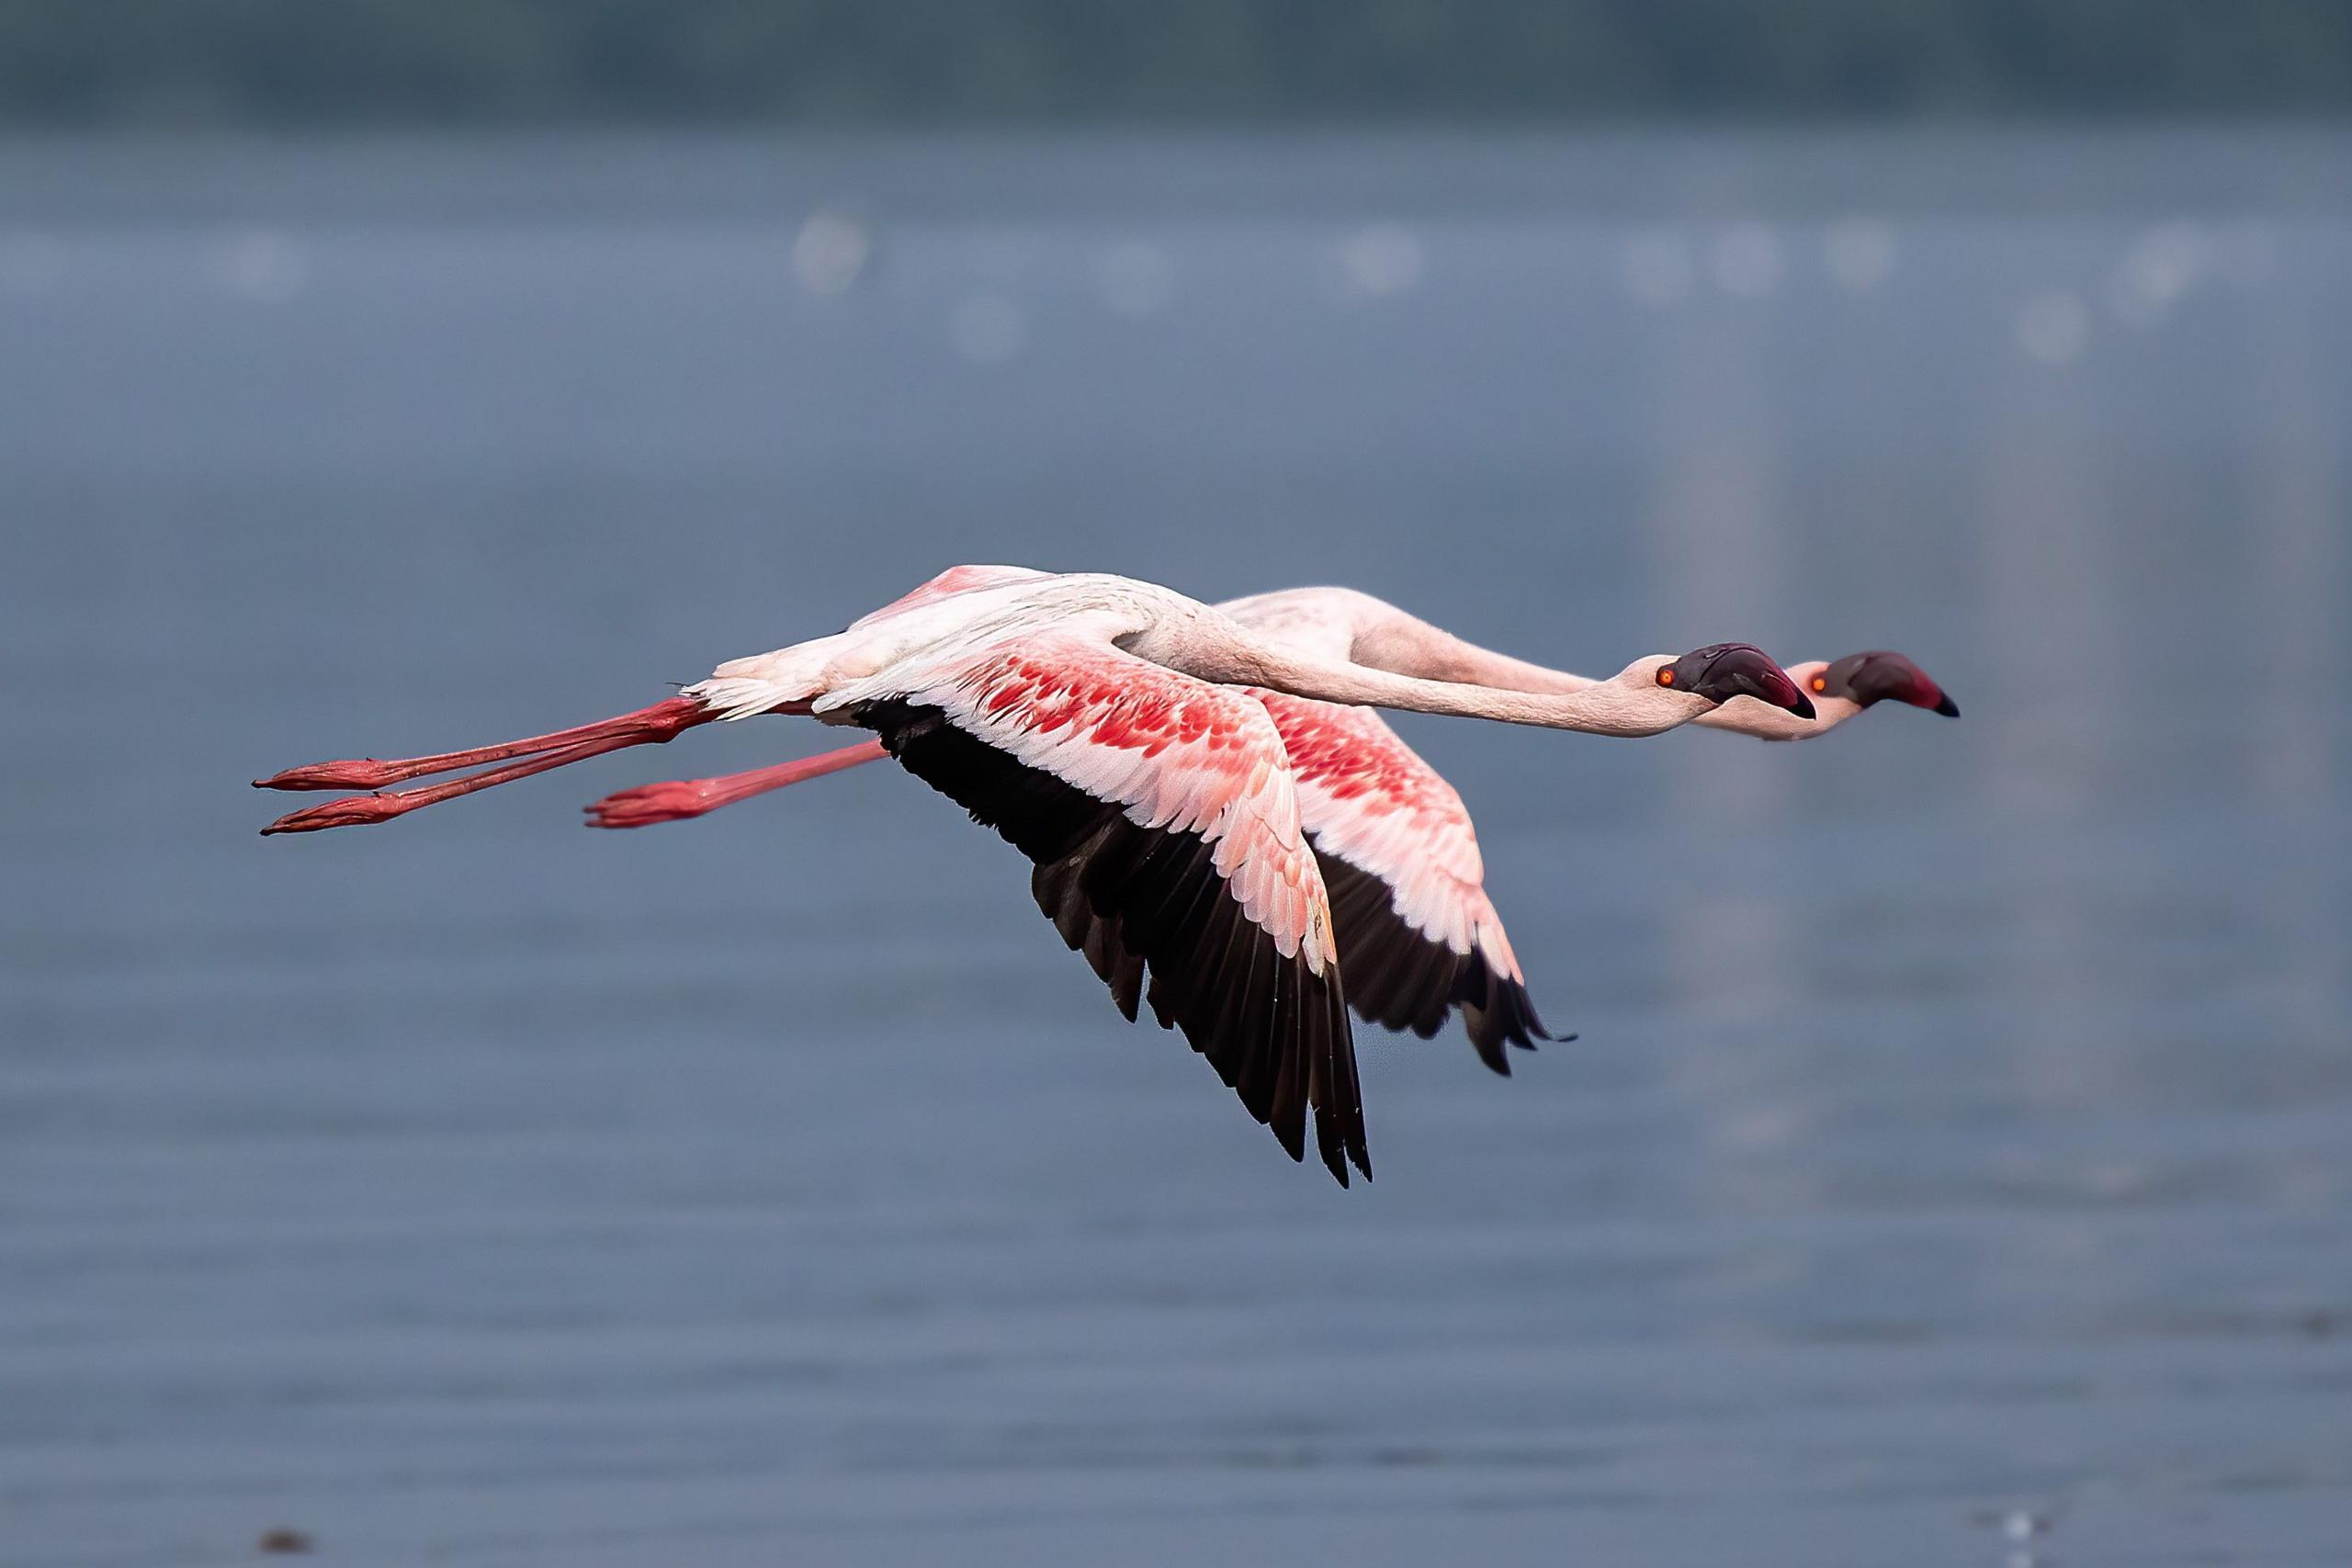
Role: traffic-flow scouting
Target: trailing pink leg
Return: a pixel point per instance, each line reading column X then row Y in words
column 359, row 811
column 683, row 799
column 646, row 727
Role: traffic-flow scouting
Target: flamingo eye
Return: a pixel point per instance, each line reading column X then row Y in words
column 1666, row 676
column 1820, row 683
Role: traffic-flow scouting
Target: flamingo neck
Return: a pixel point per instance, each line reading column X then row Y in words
column 1745, row 715
column 1236, row 657
column 1384, row 636
column 1410, row 646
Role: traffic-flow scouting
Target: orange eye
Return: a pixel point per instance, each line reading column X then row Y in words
column 1820, row 684
column 1666, row 676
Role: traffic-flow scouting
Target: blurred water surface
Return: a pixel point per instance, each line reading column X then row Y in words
column 1957, row 1163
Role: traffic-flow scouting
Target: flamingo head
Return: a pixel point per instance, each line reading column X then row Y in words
column 1722, row 670
column 1863, row 679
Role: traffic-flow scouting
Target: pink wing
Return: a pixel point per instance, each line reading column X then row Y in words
column 1417, row 933
column 955, row 580
column 1162, row 816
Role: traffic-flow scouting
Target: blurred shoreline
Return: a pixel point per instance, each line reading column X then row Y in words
column 135, row 179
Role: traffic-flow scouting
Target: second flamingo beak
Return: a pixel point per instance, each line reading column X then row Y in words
column 1878, row 675
column 1731, row 669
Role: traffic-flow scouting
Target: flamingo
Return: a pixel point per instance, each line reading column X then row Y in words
column 1345, row 623
column 1419, row 937
column 1111, row 729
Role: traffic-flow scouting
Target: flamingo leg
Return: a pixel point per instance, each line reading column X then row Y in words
column 646, row 727
column 682, row 798
column 359, row 811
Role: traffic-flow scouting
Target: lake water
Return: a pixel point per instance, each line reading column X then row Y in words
column 774, row 1188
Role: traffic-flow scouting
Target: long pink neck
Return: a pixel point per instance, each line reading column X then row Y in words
column 1234, row 656
column 1391, row 640
column 1388, row 638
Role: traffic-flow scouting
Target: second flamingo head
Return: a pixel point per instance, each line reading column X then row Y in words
column 1876, row 676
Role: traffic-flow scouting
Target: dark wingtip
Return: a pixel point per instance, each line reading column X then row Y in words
column 1292, row 1139
column 1507, row 1019
column 1948, row 708
column 1535, row 1027
column 1336, row 1164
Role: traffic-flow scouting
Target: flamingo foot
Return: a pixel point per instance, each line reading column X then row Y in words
column 648, row 804
column 680, row 799
column 646, row 727
column 361, row 810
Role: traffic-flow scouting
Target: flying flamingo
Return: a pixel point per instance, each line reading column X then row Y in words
column 1417, row 933
column 1344, row 623
column 1095, row 722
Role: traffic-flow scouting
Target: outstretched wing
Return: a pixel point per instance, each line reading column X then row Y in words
column 1418, row 934
column 1162, row 816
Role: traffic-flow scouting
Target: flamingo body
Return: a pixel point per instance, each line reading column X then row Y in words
column 1130, row 742
column 1395, row 845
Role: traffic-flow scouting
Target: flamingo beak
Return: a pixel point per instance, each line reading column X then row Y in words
column 1736, row 670
column 1881, row 675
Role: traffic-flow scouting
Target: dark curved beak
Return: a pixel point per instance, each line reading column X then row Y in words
column 1882, row 674
column 1737, row 669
